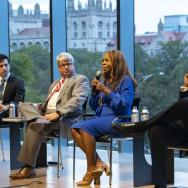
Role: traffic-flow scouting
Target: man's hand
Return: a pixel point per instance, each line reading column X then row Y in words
column 3, row 108
column 51, row 117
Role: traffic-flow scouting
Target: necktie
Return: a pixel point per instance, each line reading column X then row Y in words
column 57, row 88
column 2, row 88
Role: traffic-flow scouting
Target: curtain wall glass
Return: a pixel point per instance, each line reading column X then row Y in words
column 91, row 30
column 29, row 33
column 161, row 48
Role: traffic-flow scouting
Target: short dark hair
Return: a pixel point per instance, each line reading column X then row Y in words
column 3, row 56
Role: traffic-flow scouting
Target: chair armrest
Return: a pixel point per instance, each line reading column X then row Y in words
column 88, row 115
column 124, row 117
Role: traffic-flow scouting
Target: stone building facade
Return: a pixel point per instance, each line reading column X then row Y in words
column 93, row 26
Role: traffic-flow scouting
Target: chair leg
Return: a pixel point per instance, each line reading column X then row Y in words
column 109, row 151
column 58, row 163
column 74, row 155
column 2, row 149
column 60, row 157
column 110, row 178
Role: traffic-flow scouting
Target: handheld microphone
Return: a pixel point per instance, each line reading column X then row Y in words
column 93, row 89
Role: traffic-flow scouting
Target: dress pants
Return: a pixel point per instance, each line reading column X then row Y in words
column 169, row 127
column 34, row 137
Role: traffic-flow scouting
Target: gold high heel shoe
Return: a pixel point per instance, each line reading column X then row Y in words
column 89, row 177
column 97, row 181
column 107, row 170
column 104, row 167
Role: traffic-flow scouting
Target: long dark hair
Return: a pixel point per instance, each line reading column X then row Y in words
column 119, row 68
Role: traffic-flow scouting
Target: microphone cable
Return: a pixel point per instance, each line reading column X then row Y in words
column 26, row 184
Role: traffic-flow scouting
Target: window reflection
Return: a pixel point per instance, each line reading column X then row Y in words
column 160, row 51
column 91, row 31
column 29, row 31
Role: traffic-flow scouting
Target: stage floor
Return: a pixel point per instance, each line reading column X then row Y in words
column 122, row 171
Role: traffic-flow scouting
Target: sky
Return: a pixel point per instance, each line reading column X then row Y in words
column 29, row 4
column 147, row 12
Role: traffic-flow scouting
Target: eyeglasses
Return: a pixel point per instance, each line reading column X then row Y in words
column 64, row 65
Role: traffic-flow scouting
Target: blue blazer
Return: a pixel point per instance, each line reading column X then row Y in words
column 118, row 102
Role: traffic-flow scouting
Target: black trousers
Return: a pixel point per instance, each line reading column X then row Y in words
column 170, row 127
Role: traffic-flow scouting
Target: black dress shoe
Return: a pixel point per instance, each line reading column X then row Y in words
column 25, row 172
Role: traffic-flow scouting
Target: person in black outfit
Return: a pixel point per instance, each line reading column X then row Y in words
column 169, row 127
column 11, row 88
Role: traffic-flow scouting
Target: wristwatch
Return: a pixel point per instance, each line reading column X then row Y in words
column 59, row 113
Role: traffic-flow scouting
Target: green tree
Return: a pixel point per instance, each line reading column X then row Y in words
column 21, row 65
column 144, row 65
column 171, row 54
column 157, row 91
column 86, row 63
column 33, row 65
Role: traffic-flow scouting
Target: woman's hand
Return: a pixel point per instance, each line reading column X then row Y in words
column 100, row 87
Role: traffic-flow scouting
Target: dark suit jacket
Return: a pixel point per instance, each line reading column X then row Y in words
column 183, row 94
column 14, row 91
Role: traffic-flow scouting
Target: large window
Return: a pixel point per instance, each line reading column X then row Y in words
column 161, row 48
column 91, row 36
column 75, row 28
column 29, row 31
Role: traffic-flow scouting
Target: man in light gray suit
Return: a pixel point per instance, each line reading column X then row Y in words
column 65, row 99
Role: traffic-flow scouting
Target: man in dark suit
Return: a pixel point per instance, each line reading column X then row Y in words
column 11, row 88
column 65, row 99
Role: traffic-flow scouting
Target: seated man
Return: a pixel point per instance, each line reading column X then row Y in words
column 65, row 99
column 11, row 88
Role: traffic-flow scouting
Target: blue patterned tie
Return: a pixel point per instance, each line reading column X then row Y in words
column 2, row 88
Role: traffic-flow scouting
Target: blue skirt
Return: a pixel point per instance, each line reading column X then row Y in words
column 98, row 126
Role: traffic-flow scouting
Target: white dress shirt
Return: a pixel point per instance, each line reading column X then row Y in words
column 5, row 83
column 53, row 100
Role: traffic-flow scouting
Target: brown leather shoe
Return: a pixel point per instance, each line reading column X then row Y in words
column 25, row 172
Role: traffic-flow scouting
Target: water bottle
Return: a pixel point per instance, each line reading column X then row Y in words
column 144, row 114
column 18, row 110
column 135, row 114
column 12, row 110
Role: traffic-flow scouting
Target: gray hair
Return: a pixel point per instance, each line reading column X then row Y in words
column 65, row 55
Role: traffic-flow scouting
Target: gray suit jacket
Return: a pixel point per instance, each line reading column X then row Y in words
column 70, row 101
column 73, row 95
